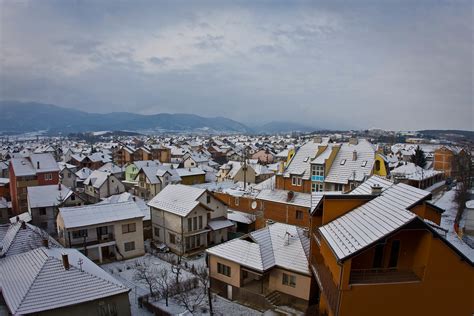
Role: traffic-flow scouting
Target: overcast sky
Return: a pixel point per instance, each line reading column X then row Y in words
column 385, row 64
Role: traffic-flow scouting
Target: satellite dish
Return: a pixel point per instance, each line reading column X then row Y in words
column 254, row 205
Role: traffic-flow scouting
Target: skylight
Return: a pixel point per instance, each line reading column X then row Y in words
column 343, row 161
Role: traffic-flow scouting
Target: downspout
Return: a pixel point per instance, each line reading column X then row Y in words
column 340, row 291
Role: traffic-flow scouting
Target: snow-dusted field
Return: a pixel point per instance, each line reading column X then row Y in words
column 446, row 202
column 124, row 271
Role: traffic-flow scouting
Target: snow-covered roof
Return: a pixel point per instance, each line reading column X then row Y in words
column 219, row 223
column 111, row 167
column 16, row 239
column 372, row 221
column 240, row 217
column 127, row 197
column 22, row 167
column 84, row 173
column 97, row 178
column 345, row 168
column 177, row 199
column 46, row 163
column 95, row 214
column 366, row 186
column 301, row 162
column 47, row 195
column 186, row 172
column 411, row 171
column 278, row 244
column 37, row 281
column 281, row 196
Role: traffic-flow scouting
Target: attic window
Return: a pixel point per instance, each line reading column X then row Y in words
column 343, row 161
column 364, row 163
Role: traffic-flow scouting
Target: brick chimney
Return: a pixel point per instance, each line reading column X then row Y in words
column 290, row 196
column 23, row 225
column 65, row 261
column 353, row 141
column 45, row 242
column 354, row 155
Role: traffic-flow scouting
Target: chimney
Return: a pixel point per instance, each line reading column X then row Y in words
column 23, row 225
column 354, row 155
column 134, row 199
column 65, row 261
column 59, row 186
column 290, row 196
column 376, row 189
column 306, row 232
column 37, row 165
column 353, row 141
column 45, row 242
column 317, row 139
column 17, row 218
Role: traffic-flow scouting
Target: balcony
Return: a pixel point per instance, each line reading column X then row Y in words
column 386, row 275
column 325, row 281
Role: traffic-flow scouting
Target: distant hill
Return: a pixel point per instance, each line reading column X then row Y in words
column 452, row 132
column 283, row 127
column 23, row 117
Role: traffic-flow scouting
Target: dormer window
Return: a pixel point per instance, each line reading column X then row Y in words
column 343, row 162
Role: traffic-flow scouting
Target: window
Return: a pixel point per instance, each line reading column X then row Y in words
column 208, row 199
column 193, row 242
column 338, row 187
column 394, row 252
column 319, row 170
column 69, row 175
column 195, row 223
column 200, row 222
column 156, row 230
column 48, row 176
column 364, row 163
column 42, row 211
column 223, row 269
column 172, row 238
column 73, row 197
column 289, row 280
column 317, row 187
column 237, row 200
column 296, row 181
column 79, row 233
column 129, row 246
column 103, row 230
column 377, row 165
column 129, row 228
column 190, row 224
column 299, row 214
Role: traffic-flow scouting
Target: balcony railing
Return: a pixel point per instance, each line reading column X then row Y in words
column 325, row 281
column 386, row 275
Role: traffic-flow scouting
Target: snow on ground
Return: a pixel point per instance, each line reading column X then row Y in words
column 446, row 202
column 124, row 272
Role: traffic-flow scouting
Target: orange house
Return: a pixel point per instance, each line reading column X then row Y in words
column 443, row 159
column 378, row 253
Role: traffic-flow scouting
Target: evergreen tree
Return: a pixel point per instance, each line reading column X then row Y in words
column 419, row 157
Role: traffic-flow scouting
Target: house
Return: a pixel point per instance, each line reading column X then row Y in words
column 153, row 178
column 264, row 156
column 132, row 169
column 68, row 175
column 5, row 188
column 103, row 231
column 101, row 184
column 266, row 268
column 43, row 203
column 191, row 176
column 188, row 219
column 195, row 160
column 35, row 170
column 444, row 159
column 123, row 155
column 286, row 207
column 81, row 176
column 4, row 172
column 117, row 171
column 416, row 176
column 74, row 285
column 20, row 237
column 378, row 251
column 251, row 172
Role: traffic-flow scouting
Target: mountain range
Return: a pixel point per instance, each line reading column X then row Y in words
column 21, row 117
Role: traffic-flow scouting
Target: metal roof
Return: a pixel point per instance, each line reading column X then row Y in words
column 177, row 199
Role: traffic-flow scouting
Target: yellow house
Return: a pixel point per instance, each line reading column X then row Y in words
column 380, row 165
column 373, row 252
column 265, row 269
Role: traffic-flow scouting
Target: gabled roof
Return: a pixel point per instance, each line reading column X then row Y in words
column 48, row 195
column 97, row 178
column 345, row 169
column 186, row 172
column 372, row 221
column 281, row 196
column 47, row 163
column 127, row 197
column 177, row 199
column 16, row 239
column 37, row 281
column 95, row 214
column 277, row 245
column 84, row 173
column 301, row 163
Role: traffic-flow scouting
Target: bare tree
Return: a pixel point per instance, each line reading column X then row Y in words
column 164, row 283
column 190, row 295
column 147, row 274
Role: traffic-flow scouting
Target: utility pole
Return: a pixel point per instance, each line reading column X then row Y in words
column 245, row 168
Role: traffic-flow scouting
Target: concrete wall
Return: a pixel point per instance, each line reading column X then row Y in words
column 303, row 283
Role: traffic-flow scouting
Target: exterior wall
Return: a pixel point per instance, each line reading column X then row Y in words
column 283, row 183
column 103, row 306
column 338, row 207
column 303, row 284
column 136, row 236
column 380, row 167
column 285, row 213
column 244, row 204
column 427, row 212
column 330, row 261
column 439, row 284
column 68, row 178
column 234, row 278
column 443, row 160
column 190, row 180
column 42, row 178
column 249, row 175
